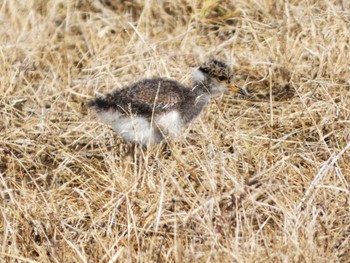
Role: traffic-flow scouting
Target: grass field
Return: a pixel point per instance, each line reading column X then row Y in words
column 261, row 178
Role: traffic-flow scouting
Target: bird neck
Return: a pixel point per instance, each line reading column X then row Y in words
column 202, row 94
column 200, row 89
column 200, row 82
column 199, row 99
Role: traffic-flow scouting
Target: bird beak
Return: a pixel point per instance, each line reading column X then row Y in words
column 234, row 88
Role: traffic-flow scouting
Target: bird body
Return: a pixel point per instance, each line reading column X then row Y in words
column 152, row 109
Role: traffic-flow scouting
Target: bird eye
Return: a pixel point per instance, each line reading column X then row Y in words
column 222, row 78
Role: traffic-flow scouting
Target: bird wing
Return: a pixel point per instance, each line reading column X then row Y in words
column 154, row 95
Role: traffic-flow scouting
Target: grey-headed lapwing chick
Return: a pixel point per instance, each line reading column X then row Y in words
column 152, row 109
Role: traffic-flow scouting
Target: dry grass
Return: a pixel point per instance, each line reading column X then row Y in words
column 257, row 179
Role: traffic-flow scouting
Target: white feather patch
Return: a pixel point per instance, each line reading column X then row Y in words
column 170, row 123
column 133, row 129
column 136, row 129
column 198, row 76
column 109, row 116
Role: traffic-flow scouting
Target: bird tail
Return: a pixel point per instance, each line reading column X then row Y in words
column 100, row 102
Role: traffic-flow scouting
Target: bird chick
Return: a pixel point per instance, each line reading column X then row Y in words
column 152, row 109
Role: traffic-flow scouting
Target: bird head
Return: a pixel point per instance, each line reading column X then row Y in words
column 217, row 78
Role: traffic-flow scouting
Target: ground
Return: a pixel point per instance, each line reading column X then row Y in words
column 261, row 178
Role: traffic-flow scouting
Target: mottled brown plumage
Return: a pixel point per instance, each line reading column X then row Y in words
column 144, row 97
column 218, row 69
column 148, row 110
